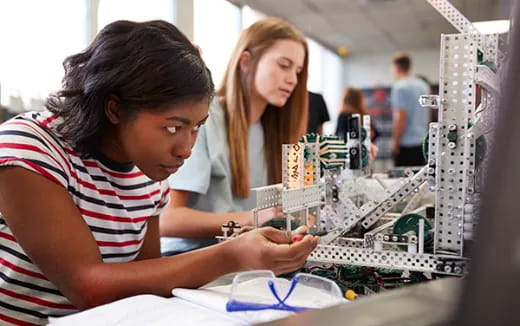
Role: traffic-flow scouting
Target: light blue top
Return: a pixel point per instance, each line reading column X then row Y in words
column 405, row 95
column 207, row 175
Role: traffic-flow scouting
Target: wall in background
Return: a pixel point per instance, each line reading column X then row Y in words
column 373, row 70
column 135, row 10
column 35, row 38
column 215, row 36
column 326, row 77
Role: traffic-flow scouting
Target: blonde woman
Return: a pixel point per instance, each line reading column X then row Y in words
column 260, row 105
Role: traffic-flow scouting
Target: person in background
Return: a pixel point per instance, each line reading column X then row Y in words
column 82, row 183
column 318, row 113
column 260, row 105
column 410, row 120
column 353, row 103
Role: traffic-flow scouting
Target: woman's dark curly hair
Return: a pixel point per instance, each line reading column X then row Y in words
column 139, row 65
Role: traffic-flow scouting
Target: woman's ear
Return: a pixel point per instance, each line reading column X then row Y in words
column 245, row 61
column 112, row 111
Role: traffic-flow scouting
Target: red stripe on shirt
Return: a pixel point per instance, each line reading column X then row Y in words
column 112, row 173
column 164, row 197
column 48, row 120
column 29, row 125
column 22, row 270
column 146, row 196
column 8, row 237
column 118, row 244
column 15, row 321
column 70, row 152
column 112, row 192
column 109, row 192
column 166, row 190
column 38, row 168
column 73, row 174
column 25, row 147
column 94, row 164
column 112, row 218
column 93, row 186
column 36, row 300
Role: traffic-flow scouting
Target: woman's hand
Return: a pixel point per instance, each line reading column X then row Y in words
column 268, row 248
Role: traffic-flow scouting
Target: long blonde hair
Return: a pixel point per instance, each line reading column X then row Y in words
column 283, row 125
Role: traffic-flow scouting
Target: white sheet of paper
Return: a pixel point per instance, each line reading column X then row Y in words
column 201, row 307
column 147, row 310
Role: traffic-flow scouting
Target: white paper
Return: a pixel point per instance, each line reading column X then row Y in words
column 147, row 310
column 201, row 307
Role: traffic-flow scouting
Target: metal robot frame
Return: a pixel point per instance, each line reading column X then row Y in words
column 339, row 201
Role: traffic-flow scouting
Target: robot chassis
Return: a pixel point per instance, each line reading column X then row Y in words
column 336, row 196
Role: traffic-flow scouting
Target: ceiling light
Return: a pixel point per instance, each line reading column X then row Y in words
column 342, row 50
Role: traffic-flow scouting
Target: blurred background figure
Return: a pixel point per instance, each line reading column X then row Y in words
column 353, row 103
column 318, row 113
column 410, row 120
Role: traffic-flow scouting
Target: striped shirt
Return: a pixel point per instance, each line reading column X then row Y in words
column 115, row 200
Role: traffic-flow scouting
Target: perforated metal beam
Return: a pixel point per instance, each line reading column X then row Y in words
column 268, row 196
column 395, row 197
column 294, row 200
column 455, row 148
column 382, row 259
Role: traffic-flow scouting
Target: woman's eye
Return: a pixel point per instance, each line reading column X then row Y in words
column 172, row 130
column 196, row 128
